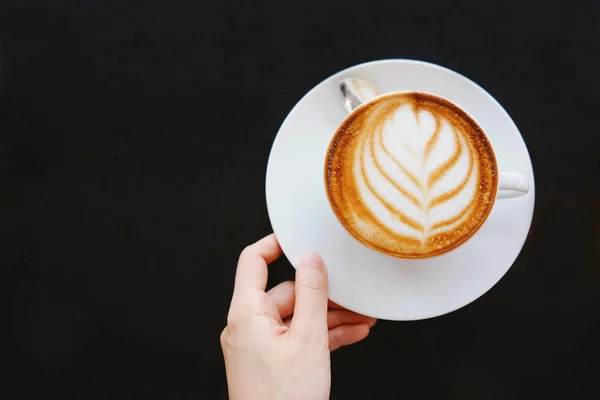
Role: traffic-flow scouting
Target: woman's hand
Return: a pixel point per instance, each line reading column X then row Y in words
column 276, row 345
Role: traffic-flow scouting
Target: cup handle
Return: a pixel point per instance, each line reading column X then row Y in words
column 511, row 185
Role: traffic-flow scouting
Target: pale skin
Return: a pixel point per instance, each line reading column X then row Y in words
column 276, row 344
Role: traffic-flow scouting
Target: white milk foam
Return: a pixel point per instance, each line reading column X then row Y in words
column 400, row 151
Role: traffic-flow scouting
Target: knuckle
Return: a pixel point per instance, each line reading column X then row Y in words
column 312, row 280
column 232, row 322
column 228, row 340
column 313, row 291
column 246, row 252
column 233, row 319
column 334, row 319
column 223, row 337
column 312, row 283
column 335, row 340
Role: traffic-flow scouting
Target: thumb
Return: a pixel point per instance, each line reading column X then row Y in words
column 310, row 312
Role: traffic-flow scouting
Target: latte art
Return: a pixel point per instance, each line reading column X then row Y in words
column 411, row 175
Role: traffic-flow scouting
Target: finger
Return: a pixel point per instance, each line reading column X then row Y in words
column 284, row 297
column 337, row 318
column 310, row 311
column 252, row 266
column 334, row 320
column 268, row 248
column 335, row 306
column 347, row 334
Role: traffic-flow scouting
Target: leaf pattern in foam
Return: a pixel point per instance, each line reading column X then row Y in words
column 418, row 173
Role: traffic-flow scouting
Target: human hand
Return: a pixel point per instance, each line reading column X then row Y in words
column 276, row 345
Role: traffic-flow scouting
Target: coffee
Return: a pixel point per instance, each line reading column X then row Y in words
column 411, row 175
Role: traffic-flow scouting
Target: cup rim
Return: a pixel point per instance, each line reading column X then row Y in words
column 456, row 245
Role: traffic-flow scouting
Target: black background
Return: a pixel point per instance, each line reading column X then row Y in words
column 134, row 137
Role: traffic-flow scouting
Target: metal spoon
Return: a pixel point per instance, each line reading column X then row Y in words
column 356, row 91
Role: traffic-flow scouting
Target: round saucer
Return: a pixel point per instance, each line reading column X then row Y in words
column 361, row 279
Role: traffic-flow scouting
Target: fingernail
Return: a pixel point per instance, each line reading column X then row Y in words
column 312, row 259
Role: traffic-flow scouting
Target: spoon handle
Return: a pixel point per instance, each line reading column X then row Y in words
column 356, row 91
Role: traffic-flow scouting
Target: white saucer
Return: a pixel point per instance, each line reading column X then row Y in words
column 361, row 279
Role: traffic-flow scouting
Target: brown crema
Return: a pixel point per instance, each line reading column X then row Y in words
column 361, row 131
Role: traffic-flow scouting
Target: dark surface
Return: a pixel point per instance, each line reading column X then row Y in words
column 134, row 137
